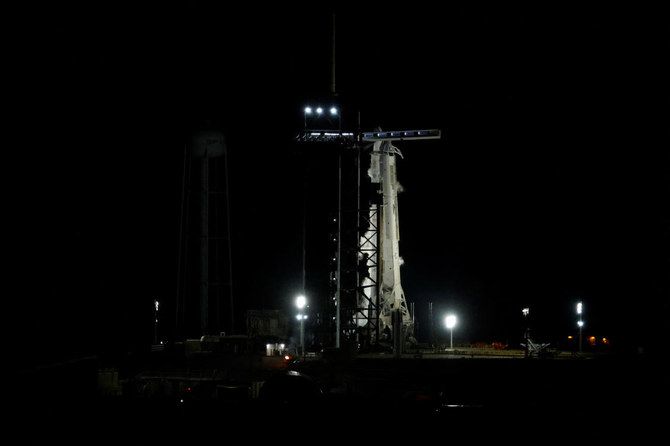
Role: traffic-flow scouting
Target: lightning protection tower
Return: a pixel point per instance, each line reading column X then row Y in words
column 205, row 302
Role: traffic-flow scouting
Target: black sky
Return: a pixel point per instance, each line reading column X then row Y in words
column 550, row 183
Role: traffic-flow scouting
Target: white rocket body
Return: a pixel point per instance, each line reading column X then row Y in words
column 391, row 296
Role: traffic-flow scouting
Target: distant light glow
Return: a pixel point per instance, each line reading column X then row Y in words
column 300, row 302
column 579, row 308
column 308, row 110
column 525, row 311
column 450, row 320
column 319, row 110
column 580, row 323
column 333, row 111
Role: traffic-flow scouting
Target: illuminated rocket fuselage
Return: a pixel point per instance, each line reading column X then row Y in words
column 391, row 295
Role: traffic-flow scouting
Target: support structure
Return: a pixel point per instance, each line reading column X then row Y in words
column 204, row 303
column 367, row 314
column 369, row 303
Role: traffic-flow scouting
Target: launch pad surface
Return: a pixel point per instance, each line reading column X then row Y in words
column 369, row 397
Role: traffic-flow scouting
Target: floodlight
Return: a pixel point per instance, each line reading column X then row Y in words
column 450, row 321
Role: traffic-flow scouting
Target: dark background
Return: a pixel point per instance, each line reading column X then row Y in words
column 549, row 185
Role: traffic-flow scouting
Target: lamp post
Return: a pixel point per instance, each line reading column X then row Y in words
column 300, row 302
column 450, row 321
column 580, row 322
column 156, row 305
column 525, row 313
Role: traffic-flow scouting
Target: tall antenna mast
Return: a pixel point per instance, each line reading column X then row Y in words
column 332, row 64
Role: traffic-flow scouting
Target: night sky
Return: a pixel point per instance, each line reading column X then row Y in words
column 549, row 185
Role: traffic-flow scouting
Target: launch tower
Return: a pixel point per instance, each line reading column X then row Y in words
column 370, row 308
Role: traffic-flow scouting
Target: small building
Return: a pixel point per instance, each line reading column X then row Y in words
column 269, row 330
column 271, row 323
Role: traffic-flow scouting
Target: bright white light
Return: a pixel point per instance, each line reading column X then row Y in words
column 333, row 110
column 450, row 320
column 579, row 308
column 308, row 110
column 300, row 302
column 525, row 311
column 319, row 110
column 580, row 323
column 157, row 304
